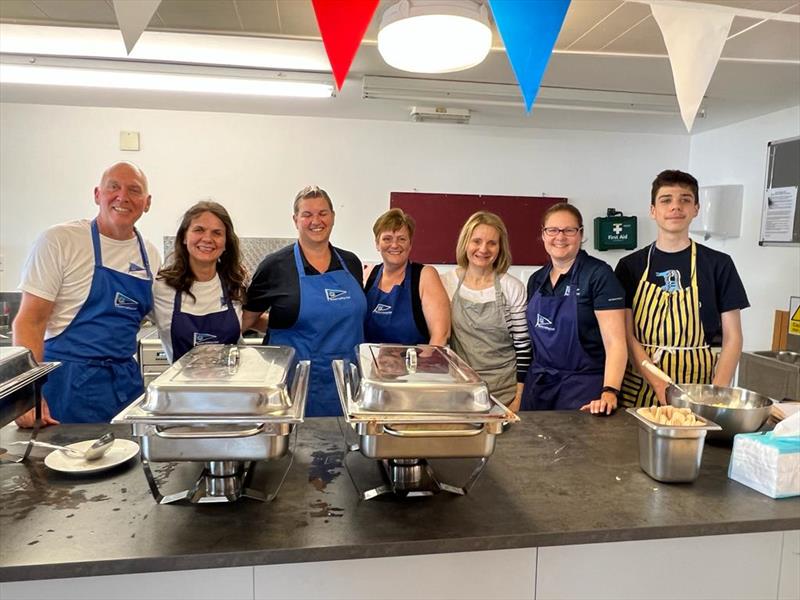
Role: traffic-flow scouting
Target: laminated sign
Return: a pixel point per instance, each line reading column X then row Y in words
column 794, row 315
column 615, row 231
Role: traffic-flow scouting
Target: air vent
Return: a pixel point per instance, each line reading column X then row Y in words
column 439, row 114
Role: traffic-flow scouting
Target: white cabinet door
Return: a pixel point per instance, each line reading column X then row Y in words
column 210, row 584
column 734, row 567
column 789, row 586
column 498, row 574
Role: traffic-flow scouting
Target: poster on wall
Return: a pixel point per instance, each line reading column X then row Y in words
column 777, row 224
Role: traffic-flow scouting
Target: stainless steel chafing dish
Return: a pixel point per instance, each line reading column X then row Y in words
column 225, row 406
column 408, row 404
column 21, row 380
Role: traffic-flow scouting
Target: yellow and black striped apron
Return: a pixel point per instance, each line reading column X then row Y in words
column 668, row 325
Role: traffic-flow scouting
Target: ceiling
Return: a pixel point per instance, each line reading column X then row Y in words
column 603, row 45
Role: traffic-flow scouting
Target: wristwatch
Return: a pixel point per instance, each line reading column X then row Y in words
column 608, row 388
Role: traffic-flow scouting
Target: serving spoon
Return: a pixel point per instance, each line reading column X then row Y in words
column 97, row 450
column 666, row 379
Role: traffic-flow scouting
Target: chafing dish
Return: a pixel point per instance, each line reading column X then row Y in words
column 408, row 404
column 21, row 380
column 225, row 406
column 671, row 453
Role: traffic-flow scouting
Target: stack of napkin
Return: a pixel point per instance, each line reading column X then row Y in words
column 769, row 462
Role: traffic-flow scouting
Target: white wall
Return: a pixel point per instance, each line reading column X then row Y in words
column 52, row 156
column 737, row 155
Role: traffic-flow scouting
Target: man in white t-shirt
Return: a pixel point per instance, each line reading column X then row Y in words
column 86, row 287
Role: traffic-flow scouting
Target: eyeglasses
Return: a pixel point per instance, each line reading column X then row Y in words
column 567, row 231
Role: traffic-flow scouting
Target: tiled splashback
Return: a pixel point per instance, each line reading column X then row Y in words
column 253, row 249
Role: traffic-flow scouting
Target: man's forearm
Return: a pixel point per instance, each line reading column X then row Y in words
column 31, row 336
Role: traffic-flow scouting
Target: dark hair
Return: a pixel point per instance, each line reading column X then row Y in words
column 177, row 273
column 311, row 191
column 392, row 220
column 670, row 177
column 563, row 207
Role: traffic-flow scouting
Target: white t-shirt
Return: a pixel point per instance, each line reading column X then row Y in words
column 513, row 290
column 61, row 266
column 209, row 300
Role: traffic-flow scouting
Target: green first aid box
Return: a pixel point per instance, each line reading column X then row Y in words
column 615, row 232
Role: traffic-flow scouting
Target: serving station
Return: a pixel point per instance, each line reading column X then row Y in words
column 562, row 494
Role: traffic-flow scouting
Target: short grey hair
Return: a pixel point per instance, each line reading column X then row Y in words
column 311, row 191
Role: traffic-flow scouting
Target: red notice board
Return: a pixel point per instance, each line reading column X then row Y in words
column 440, row 217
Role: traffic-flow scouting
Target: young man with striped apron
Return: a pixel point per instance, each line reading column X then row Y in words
column 683, row 298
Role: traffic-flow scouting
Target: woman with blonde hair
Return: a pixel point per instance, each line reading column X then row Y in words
column 488, row 308
column 406, row 303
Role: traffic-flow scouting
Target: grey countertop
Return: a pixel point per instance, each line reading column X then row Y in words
column 556, row 478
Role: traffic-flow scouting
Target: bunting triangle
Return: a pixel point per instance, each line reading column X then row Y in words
column 133, row 17
column 342, row 24
column 694, row 37
column 529, row 31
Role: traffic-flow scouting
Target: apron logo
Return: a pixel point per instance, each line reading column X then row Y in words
column 333, row 295
column 134, row 267
column 122, row 301
column 544, row 323
column 204, row 338
column 383, row 309
column 672, row 280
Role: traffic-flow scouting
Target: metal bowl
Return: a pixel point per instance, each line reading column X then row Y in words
column 737, row 410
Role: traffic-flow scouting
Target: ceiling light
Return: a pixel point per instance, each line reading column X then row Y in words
column 125, row 76
column 165, row 46
column 435, row 36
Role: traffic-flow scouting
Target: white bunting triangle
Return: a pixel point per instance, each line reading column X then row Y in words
column 694, row 37
column 133, row 17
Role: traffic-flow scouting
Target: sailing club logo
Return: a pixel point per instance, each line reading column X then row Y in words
column 334, row 295
column 204, row 338
column 382, row 309
column 544, row 323
column 122, row 301
column 133, row 268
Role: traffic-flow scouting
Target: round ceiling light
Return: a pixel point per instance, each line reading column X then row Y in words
column 435, row 36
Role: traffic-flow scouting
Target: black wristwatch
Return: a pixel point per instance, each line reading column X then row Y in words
column 608, row 388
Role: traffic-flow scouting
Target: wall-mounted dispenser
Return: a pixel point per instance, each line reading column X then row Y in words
column 720, row 212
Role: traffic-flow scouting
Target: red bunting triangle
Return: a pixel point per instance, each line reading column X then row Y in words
column 342, row 24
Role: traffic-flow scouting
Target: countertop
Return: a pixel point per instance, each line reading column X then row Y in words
column 555, row 478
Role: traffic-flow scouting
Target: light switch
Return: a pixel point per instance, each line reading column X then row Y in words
column 129, row 140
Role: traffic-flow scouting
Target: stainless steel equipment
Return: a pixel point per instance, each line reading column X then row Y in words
column 227, row 407
column 21, row 380
column 774, row 374
column 409, row 404
column 151, row 356
column 735, row 409
column 671, row 453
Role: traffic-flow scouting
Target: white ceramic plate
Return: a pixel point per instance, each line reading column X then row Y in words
column 121, row 451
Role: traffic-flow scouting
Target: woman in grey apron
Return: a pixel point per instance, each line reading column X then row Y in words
column 487, row 332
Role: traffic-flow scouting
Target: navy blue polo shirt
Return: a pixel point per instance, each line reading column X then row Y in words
column 597, row 289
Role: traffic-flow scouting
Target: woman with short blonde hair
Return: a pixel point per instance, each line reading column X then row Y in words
column 488, row 308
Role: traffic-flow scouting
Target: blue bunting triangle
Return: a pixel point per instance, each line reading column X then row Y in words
column 529, row 29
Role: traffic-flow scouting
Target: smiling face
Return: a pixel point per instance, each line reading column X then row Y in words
column 122, row 197
column 674, row 208
column 562, row 247
column 314, row 220
column 205, row 239
column 394, row 246
column 483, row 247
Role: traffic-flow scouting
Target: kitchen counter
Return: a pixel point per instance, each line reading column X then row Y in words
column 557, row 478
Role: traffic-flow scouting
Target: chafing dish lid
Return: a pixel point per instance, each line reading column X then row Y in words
column 402, row 379
column 14, row 361
column 221, row 378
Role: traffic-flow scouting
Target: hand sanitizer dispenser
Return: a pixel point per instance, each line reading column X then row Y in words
column 720, row 212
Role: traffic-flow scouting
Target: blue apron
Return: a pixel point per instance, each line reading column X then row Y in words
column 99, row 375
column 188, row 331
column 562, row 376
column 330, row 325
column 390, row 315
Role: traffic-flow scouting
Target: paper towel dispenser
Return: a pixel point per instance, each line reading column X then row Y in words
column 720, row 212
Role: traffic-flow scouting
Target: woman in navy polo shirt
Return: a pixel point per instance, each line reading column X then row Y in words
column 576, row 319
